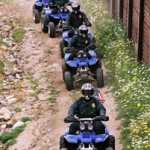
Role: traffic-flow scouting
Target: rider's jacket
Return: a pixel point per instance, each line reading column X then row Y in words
column 87, row 109
column 79, row 42
column 76, row 20
column 59, row 2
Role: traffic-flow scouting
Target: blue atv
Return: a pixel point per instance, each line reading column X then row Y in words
column 85, row 65
column 37, row 9
column 66, row 38
column 86, row 138
column 52, row 22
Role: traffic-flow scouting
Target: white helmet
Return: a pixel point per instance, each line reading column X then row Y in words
column 87, row 90
column 83, row 30
column 75, row 6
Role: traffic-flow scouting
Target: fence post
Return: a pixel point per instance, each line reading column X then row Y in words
column 120, row 10
column 130, row 13
column 140, row 29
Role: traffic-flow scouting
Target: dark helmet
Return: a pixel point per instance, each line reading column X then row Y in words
column 83, row 30
column 75, row 6
column 87, row 90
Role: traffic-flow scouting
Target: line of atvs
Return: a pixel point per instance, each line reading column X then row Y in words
column 75, row 70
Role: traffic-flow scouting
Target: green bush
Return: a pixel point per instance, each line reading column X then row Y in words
column 130, row 80
column 9, row 143
column 3, row 43
column 18, row 34
column 1, row 67
column 25, row 119
column 13, row 134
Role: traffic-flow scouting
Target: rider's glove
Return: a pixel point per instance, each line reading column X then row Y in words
column 70, row 117
column 88, row 24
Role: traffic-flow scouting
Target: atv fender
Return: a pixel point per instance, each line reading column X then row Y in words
column 72, row 63
column 71, row 138
column 92, row 53
column 65, row 34
column 38, row 4
column 92, row 61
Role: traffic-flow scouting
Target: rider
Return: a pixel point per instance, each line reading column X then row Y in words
column 60, row 3
column 76, row 18
column 81, row 41
column 87, row 106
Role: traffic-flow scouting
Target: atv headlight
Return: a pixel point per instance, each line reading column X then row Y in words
column 79, row 55
column 65, row 10
column 61, row 10
column 82, row 127
column 84, row 55
column 90, row 127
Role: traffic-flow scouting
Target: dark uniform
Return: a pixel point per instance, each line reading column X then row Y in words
column 76, row 20
column 80, row 43
column 87, row 109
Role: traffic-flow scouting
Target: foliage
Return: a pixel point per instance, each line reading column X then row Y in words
column 34, row 85
column 18, row 109
column 18, row 34
column 9, row 143
column 1, row 67
column 129, row 79
column 3, row 43
column 53, row 96
column 13, row 134
column 5, row 1
column 25, row 119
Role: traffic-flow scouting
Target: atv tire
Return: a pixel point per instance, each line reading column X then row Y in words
column 62, row 45
column 64, row 69
column 51, row 30
column 99, row 77
column 36, row 16
column 44, row 24
column 63, row 143
column 68, row 80
column 110, row 143
column 109, row 148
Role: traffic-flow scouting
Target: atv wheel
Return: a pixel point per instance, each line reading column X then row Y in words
column 64, row 69
column 68, row 80
column 109, row 148
column 63, row 143
column 44, row 24
column 62, row 45
column 36, row 16
column 99, row 77
column 110, row 143
column 51, row 30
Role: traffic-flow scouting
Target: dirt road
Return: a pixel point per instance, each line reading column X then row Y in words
column 41, row 58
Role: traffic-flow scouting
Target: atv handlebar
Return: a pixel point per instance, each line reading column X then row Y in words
column 70, row 119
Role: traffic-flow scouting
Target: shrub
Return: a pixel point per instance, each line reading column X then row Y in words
column 18, row 34
column 13, row 134
column 25, row 119
column 130, row 80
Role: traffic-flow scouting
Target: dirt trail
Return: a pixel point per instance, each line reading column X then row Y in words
column 44, row 62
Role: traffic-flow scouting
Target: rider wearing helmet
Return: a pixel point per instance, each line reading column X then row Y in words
column 76, row 18
column 87, row 106
column 81, row 41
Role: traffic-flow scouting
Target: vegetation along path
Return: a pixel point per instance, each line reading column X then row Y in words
column 41, row 95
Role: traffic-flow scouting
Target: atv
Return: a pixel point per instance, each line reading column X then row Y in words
column 82, row 67
column 67, row 36
column 53, row 22
column 86, row 138
column 37, row 9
